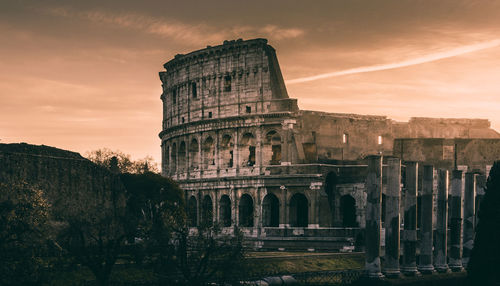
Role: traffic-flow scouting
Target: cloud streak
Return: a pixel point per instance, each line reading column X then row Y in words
column 406, row 63
column 183, row 32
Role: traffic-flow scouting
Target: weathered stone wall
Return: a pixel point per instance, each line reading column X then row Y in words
column 472, row 154
column 68, row 180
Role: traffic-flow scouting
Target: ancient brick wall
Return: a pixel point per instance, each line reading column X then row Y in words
column 68, row 180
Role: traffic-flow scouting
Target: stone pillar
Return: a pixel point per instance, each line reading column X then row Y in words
column 409, row 266
column 392, row 219
column 455, row 261
column 441, row 243
column 480, row 185
column 426, row 228
column 469, row 212
column 373, row 216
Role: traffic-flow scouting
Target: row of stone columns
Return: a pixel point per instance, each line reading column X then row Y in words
column 433, row 253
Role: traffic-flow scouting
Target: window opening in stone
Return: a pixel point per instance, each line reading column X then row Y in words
column 348, row 209
column 182, row 119
column 299, row 211
column 174, row 96
column 245, row 210
column 208, row 152
column 379, row 140
column 272, row 144
column 210, row 114
column 270, row 211
column 193, row 89
column 207, row 211
column 174, row 157
column 194, row 155
column 166, row 157
column 227, row 83
column 192, row 212
column 226, row 151
column 182, row 156
column 251, row 155
column 247, row 149
column 225, row 211
column 345, row 138
column 248, row 109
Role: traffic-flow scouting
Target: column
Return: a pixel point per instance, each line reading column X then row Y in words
column 392, row 219
column 426, row 228
column 373, row 216
column 455, row 262
column 469, row 212
column 480, row 185
column 441, row 243
column 410, row 219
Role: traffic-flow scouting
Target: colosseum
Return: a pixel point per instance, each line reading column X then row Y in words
column 246, row 155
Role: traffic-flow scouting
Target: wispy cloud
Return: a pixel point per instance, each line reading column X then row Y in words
column 405, row 63
column 190, row 33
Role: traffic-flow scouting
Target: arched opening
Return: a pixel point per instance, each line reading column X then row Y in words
column 207, row 211
column 272, row 147
column 333, row 197
column 248, row 149
column 299, row 211
column 208, row 153
column 226, row 151
column 225, row 210
column 348, row 207
column 245, row 210
column 194, row 154
column 174, row 158
column 193, row 90
column 166, row 158
column 270, row 211
column 192, row 211
column 182, row 156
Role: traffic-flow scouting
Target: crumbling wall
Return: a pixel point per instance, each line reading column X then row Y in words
column 65, row 177
column 476, row 154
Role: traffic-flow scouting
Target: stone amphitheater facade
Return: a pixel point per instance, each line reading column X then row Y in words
column 246, row 155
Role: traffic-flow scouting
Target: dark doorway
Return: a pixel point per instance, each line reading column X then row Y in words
column 207, row 211
column 299, row 211
column 246, row 211
column 192, row 212
column 348, row 207
column 225, row 210
column 270, row 211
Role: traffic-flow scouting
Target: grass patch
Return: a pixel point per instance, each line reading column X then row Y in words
column 288, row 263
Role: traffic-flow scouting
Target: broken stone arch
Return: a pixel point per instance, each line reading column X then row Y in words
column 272, row 147
column 247, row 149
column 226, row 148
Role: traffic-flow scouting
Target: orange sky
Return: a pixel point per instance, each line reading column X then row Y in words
column 82, row 75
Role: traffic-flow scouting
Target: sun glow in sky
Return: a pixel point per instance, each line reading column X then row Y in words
column 82, row 75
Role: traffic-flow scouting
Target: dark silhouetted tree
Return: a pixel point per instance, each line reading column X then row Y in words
column 23, row 234
column 125, row 163
column 485, row 257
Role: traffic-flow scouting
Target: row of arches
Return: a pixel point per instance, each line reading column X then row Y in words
column 180, row 156
column 298, row 211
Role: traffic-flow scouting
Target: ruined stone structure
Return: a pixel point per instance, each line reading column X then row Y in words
column 65, row 177
column 247, row 155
